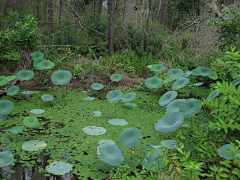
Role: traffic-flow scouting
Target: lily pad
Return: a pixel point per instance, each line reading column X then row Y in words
column 36, row 62
column 130, row 137
column 169, row 122
column 110, row 153
column 116, row 77
column 27, row 92
column 13, row 90
column 186, row 74
column 130, row 105
column 17, row 129
column 202, row 71
column 102, row 141
column 186, row 125
column 114, row 96
column 129, row 97
column 169, row 80
column 180, row 83
column 223, row 153
column 47, row 97
column 167, row 98
column 34, row 145
column 97, row 114
column 2, row 118
column 94, row 130
column 3, row 80
column 170, row 144
column 97, row 86
column 190, row 107
column 37, row 111
column 213, row 94
column 197, row 84
column 174, row 106
column 30, row 121
column 61, row 77
column 6, row 107
column 10, row 78
column 24, row 75
column 214, row 76
column 36, row 55
column 59, row 168
column 158, row 68
column 118, row 122
column 88, row 98
column 154, row 82
column 45, row 64
column 174, row 72
column 6, row 158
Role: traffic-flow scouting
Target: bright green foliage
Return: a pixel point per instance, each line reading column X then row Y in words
column 119, row 172
column 6, row 158
column 3, row 80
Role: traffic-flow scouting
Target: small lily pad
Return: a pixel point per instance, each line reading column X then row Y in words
column 10, row 78
column 37, row 111
column 167, row 98
column 186, row 125
column 88, row 98
column 47, row 97
column 174, row 72
column 94, row 130
column 223, row 153
column 27, row 92
column 102, row 141
column 116, row 77
column 154, row 82
column 97, row 86
column 118, row 122
column 17, row 129
column 34, row 145
column 59, row 168
column 24, row 75
column 170, row 144
column 130, row 105
column 3, row 80
column 36, row 55
column 30, row 121
column 6, row 107
column 181, row 82
column 13, row 90
column 158, row 68
column 6, row 158
column 128, row 97
column 97, row 114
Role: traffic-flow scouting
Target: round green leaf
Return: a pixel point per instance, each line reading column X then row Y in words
column 174, row 106
column 34, row 145
column 13, row 90
column 6, row 158
column 24, row 75
column 97, row 114
column 61, row 77
column 181, row 82
column 110, row 153
column 129, row 97
column 213, row 94
column 94, row 130
column 102, row 141
column 118, row 122
column 116, row 77
column 197, row 84
column 37, row 111
column 130, row 137
column 214, row 76
column 3, row 80
column 10, row 78
column 186, row 74
column 36, row 62
column 167, row 98
column 154, row 82
column 190, row 107
column 45, row 64
column 30, row 121
column 97, row 86
column 6, row 107
column 36, row 55
column 223, row 153
column 202, row 71
column 130, row 105
column 27, row 92
column 59, row 168
column 169, row 122
column 88, row 98
column 169, row 80
column 175, row 72
column 47, row 97
column 158, row 68
column 114, row 96
column 17, row 129
column 150, row 66
column 170, row 144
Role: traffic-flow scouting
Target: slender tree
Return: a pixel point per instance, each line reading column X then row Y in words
column 146, row 44
column 111, row 9
column 50, row 16
column 164, row 14
column 129, row 11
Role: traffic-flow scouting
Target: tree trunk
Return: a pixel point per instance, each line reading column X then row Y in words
column 38, row 13
column 50, row 16
column 129, row 11
column 99, row 7
column 146, row 44
column 111, row 9
column 164, row 14
column 60, row 14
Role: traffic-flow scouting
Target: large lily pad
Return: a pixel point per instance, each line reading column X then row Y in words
column 186, row 74
column 36, row 62
column 47, row 97
column 158, row 68
column 3, row 80
column 30, row 121
column 45, row 64
column 170, row 144
column 169, row 122
column 130, row 137
column 167, row 98
column 110, row 153
column 202, row 71
column 6, row 107
column 213, row 94
column 129, row 97
column 61, row 77
column 17, row 129
column 13, row 90
column 190, row 107
column 118, row 122
column 6, row 158
column 154, row 82
column 181, row 82
column 34, row 145
column 175, row 72
column 88, row 98
column 94, row 130
column 116, row 77
column 36, row 55
column 24, row 75
column 114, row 96
column 223, row 153
column 59, row 168
column 97, row 86
column 174, row 106
column 37, row 111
